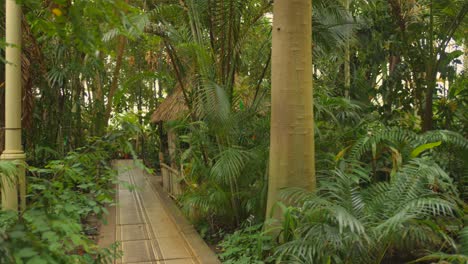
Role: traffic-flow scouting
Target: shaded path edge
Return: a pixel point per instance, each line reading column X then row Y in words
column 202, row 252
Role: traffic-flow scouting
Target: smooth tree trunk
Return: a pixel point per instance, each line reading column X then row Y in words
column 431, row 76
column 347, row 63
column 292, row 161
column 347, row 71
column 465, row 57
column 428, row 114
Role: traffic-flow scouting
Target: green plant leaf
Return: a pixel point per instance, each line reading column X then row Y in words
column 424, row 147
column 37, row 260
column 26, row 253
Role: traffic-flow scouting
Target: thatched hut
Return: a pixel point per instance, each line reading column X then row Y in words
column 172, row 108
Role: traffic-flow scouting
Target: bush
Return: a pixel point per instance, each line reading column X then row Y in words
column 247, row 245
column 61, row 197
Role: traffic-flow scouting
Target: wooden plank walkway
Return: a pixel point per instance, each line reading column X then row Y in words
column 147, row 226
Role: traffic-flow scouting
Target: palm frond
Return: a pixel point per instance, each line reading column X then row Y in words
column 8, row 171
column 229, row 165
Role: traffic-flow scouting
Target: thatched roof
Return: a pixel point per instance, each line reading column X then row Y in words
column 172, row 108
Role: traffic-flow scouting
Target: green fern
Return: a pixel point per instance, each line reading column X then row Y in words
column 349, row 219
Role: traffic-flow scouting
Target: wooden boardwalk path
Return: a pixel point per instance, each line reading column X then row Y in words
column 147, row 224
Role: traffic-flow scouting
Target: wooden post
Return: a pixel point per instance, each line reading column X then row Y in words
column 172, row 139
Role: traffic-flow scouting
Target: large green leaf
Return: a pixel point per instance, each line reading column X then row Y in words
column 424, row 147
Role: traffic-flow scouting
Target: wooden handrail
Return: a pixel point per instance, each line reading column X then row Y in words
column 163, row 165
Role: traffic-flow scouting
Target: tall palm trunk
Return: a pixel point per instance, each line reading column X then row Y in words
column 465, row 58
column 431, row 76
column 292, row 161
column 115, row 78
column 347, row 63
column 122, row 42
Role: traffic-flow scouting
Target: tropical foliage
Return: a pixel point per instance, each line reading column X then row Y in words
column 390, row 110
column 66, row 198
column 383, row 220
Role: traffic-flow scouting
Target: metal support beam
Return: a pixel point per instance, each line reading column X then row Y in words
column 13, row 148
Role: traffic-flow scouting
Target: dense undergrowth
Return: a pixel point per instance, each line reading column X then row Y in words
column 66, row 198
column 386, row 194
column 385, row 73
column 391, row 197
